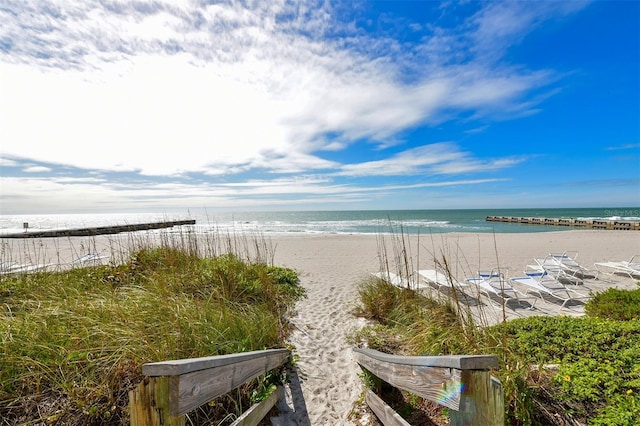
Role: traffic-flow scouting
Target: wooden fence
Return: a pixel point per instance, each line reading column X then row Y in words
column 171, row 389
column 462, row 383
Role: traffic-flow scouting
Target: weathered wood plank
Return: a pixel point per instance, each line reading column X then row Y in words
column 460, row 362
column 199, row 387
column 439, row 384
column 184, row 366
column 482, row 401
column 385, row 414
column 149, row 404
column 256, row 412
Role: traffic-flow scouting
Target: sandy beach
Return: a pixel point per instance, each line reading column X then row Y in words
column 326, row 386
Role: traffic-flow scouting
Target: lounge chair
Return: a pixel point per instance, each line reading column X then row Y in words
column 544, row 283
column 630, row 267
column 494, row 286
column 16, row 268
column 6, row 266
column 440, row 280
column 563, row 266
column 551, row 267
column 397, row 280
column 90, row 259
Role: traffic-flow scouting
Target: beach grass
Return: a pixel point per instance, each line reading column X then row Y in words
column 73, row 340
column 554, row 370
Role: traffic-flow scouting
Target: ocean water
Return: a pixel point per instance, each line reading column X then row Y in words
column 331, row 222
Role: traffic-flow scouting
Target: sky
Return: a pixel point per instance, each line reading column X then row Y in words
column 175, row 106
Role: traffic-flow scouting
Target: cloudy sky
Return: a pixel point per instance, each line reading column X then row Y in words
column 169, row 105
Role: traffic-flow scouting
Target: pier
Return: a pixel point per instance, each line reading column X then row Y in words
column 622, row 225
column 100, row 230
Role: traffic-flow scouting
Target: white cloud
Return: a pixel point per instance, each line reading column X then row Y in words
column 629, row 146
column 36, row 169
column 91, row 194
column 164, row 89
column 437, row 158
column 5, row 162
column 501, row 24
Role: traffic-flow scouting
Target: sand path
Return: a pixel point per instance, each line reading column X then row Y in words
column 327, row 386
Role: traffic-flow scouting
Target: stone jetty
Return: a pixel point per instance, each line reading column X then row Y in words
column 626, row 225
column 100, row 230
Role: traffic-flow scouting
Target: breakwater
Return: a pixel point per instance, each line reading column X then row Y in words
column 623, row 225
column 99, row 230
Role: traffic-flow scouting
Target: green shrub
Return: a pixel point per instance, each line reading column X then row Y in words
column 598, row 360
column 615, row 304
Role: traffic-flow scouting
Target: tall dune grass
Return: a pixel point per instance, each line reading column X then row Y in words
column 73, row 339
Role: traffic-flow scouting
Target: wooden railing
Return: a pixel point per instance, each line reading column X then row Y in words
column 172, row 389
column 461, row 383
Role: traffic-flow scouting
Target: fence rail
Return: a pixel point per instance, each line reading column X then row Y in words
column 171, row 389
column 463, row 383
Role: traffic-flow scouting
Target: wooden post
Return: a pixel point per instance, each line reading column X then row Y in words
column 149, row 404
column 463, row 383
column 171, row 389
column 482, row 401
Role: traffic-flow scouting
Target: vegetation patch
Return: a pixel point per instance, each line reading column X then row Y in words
column 615, row 304
column 554, row 370
column 591, row 366
column 73, row 342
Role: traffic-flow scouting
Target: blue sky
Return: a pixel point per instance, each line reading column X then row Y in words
column 167, row 106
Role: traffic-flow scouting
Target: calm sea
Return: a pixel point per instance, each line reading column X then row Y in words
column 333, row 222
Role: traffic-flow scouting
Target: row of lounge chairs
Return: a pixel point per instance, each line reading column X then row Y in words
column 556, row 276
column 566, row 266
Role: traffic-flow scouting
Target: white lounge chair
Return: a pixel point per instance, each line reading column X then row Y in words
column 16, row 268
column 551, row 267
column 440, row 279
column 630, row 267
column 397, row 280
column 563, row 266
column 544, row 283
column 6, row 266
column 89, row 259
column 494, row 286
